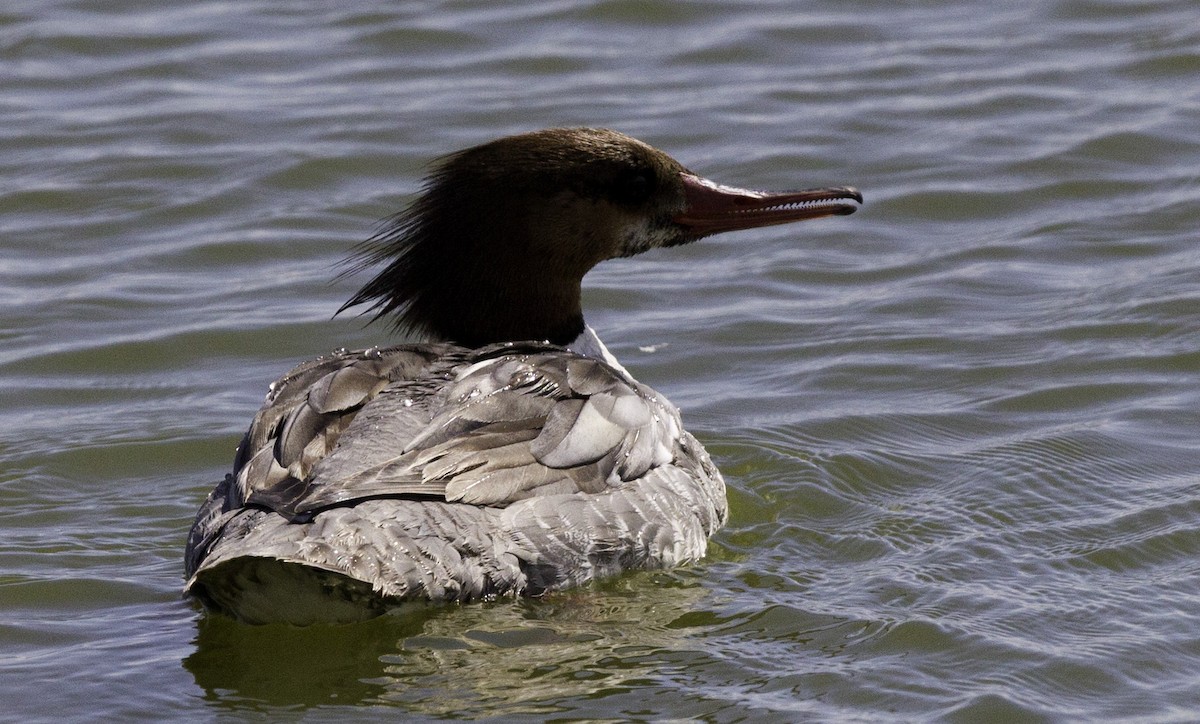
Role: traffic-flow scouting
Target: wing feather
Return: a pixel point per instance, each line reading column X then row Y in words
column 486, row 427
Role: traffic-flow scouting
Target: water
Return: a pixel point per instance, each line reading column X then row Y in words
column 959, row 427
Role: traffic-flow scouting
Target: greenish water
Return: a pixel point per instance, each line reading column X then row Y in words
column 960, row 428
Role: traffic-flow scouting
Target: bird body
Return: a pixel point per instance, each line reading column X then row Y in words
column 511, row 454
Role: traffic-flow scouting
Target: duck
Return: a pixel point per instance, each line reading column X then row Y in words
column 504, row 451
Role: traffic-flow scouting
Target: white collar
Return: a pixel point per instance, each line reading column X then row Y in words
column 589, row 345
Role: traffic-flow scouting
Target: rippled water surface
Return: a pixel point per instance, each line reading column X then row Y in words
column 960, row 428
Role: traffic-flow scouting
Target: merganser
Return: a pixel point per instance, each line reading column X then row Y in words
column 509, row 453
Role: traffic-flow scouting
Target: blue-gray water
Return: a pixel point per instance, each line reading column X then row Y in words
column 960, row 427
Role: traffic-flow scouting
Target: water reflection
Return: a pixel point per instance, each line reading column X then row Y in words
column 492, row 659
column 242, row 666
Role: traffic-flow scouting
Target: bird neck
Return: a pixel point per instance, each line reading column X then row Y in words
column 501, row 306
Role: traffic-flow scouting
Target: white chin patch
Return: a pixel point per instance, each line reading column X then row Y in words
column 644, row 236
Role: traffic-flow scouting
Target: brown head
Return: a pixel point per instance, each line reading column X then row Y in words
column 496, row 247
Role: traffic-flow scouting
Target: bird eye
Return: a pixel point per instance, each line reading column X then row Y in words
column 635, row 187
